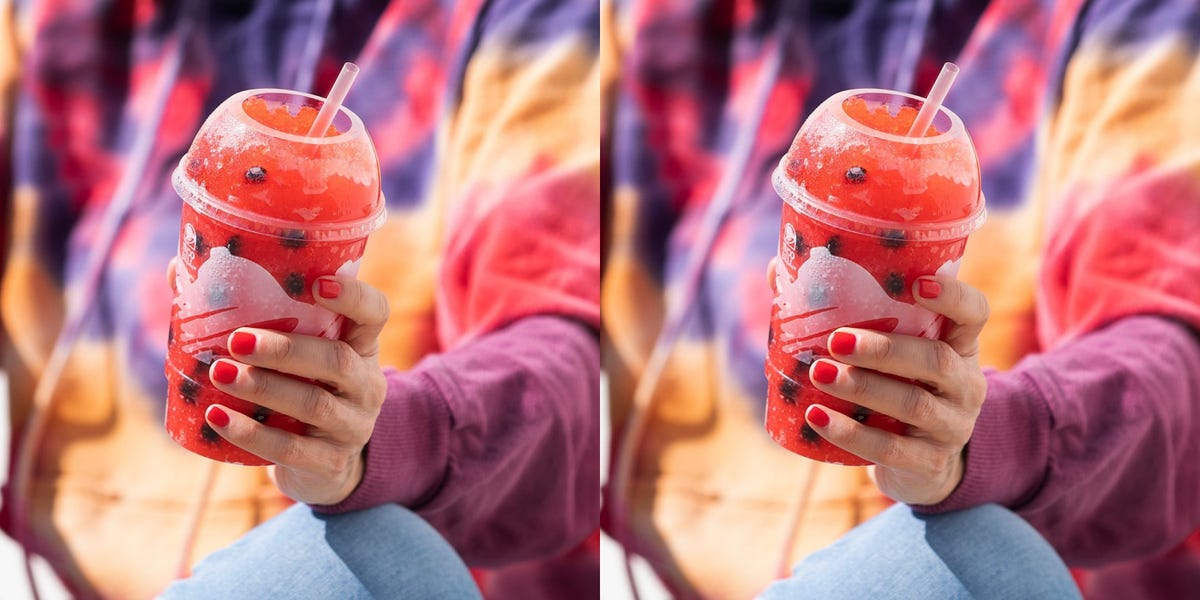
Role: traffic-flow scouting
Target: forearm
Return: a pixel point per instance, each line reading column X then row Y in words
column 1095, row 442
column 495, row 443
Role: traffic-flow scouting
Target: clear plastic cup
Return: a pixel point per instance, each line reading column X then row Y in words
column 267, row 210
column 867, row 210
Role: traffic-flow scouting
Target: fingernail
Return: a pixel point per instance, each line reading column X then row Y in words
column 817, row 417
column 929, row 288
column 842, row 343
column 242, row 343
column 224, row 372
column 219, row 418
column 329, row 289
column 824, row 372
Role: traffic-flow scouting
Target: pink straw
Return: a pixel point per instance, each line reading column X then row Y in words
column 937, row 95
column 333, row 102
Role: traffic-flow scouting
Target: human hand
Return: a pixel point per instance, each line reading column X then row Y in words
column 339, row 398
column 939, row 395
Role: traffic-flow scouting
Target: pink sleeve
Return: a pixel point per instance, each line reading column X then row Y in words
column 1095, row 443
column 495, row 444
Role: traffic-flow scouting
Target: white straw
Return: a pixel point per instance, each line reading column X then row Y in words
column 333, row 102
column 937, row 95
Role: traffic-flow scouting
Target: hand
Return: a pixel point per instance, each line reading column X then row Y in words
column 939, row 397
column 340, row 408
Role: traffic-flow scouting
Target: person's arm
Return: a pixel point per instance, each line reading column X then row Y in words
column 1097, row 440
column 495, row 443
column 1095, row 443
column 496, row 440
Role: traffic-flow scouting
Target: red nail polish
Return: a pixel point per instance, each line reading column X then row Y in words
column 817, row 417
column 219, row 418
column 329, row 289
column 224, row 372
column 929, row 288
column 242, row 343
column 824, row 372
column 842, row 343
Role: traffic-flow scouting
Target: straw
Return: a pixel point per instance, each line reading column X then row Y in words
column 333, row 102
column 937, row 95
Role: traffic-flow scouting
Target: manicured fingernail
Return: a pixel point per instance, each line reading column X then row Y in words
column 224, row 372
column 842, row 343
column 242, row 343
column 929, row 288
column 219, row 418
column 817, row 417
column 824, row 372
column 329, row 289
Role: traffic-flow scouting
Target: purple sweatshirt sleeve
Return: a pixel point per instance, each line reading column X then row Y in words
column 495, row 443
column 1097, row 444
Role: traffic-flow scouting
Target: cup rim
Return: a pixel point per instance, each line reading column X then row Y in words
column 956, row 129
column 200, row 200
column 356, row 126
column 936, row 231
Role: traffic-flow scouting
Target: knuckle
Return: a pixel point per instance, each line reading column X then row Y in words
column 284, row 347
column 918, row 404
column 291, row 452
column 882, row 347
column 319, row 406
column 862, row 385
column 890, row 452
column 383, row 309
column 345, row 359
column 983, row 308
column 933, row 463
column 944, row 358
column 850, row 437
column 250, row 436
column 261, row 384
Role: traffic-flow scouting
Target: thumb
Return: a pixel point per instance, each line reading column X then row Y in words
column 965, row 307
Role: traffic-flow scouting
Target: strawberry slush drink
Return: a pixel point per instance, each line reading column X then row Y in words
column 867, row 210
column 267, row 210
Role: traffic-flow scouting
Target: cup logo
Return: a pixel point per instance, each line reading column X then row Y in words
column 187, row 249
column 787, row 249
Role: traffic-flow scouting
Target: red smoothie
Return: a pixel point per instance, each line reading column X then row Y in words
column 266, row 212
column 867, row 210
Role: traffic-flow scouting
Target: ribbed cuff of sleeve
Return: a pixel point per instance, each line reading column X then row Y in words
column 408, row 453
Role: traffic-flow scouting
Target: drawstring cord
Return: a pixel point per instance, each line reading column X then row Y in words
column 80, row 297
column 680, row 302
column 305, row 72
column 191, row 528
column 784, row 566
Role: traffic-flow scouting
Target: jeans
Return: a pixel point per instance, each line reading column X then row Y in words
column 383, row 552
column 984, row 552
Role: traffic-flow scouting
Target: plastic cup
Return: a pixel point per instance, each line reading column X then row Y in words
column 867, row 210
column 267, row 210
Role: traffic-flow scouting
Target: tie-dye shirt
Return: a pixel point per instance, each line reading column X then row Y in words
column 1084, row 117
column 485, row 116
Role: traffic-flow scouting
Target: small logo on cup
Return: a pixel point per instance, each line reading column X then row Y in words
column 787, row 250
column 187, row 249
